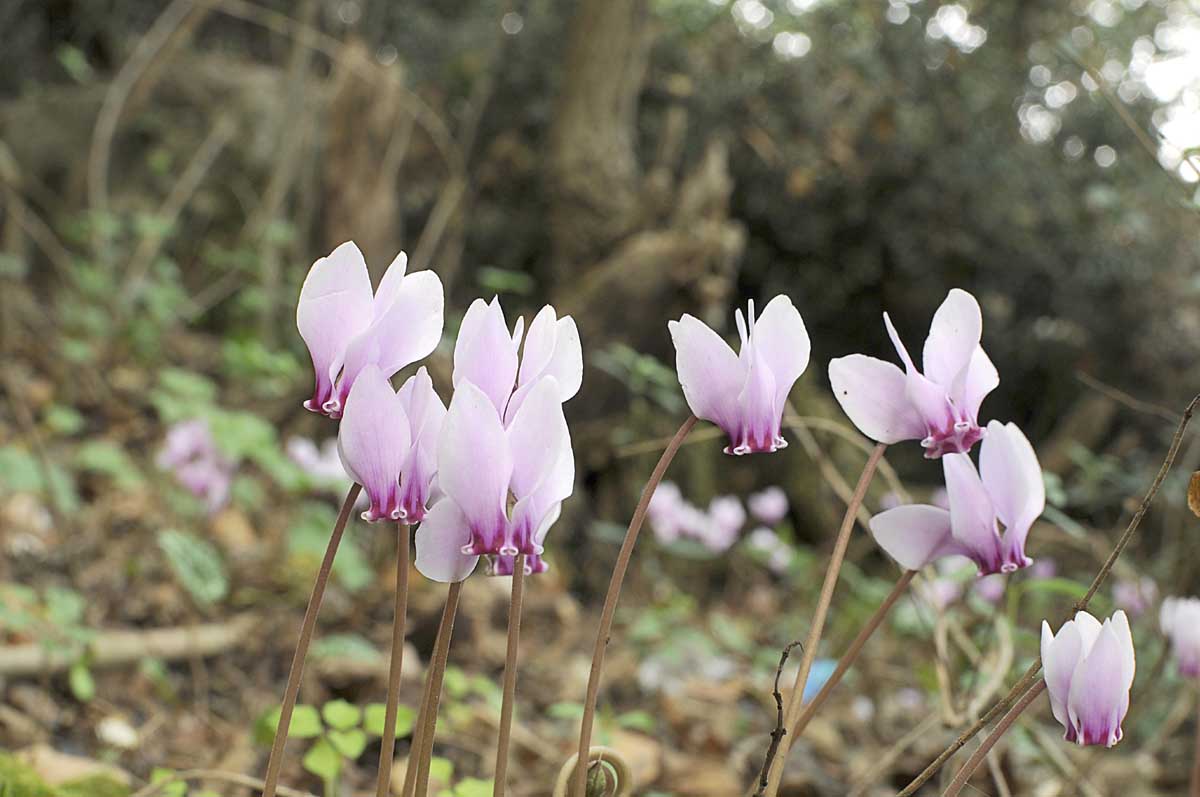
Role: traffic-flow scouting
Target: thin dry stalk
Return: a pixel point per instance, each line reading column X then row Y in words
column 387, row 746
column 510, row 674
column 437, row 671
column 1001, row 728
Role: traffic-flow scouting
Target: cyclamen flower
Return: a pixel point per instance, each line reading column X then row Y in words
column 486, row 355
column 1180, row 620
column 484, row 469
column 322, row 463
column 1007, row 488
column 1135, row 596
column 385, row 440
column 346, row 328
column 191, row 453
column 744, row 393
column 1089, row 670
column 769, row 506
column 664, row 512
column 939, row 407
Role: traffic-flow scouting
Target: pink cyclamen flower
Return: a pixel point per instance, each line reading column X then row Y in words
column 939, row 407
column 1180, row 621
column 321, row 463
column 664, row 512
column 425, row 413
column 191, row 453
column 990, row 588
column 769, row 506
column 483, row 469
column 1089, row 670
column 744, row 393
column 486, row 355
column 722, row 523
column 1135, row 596
column 346, row 328
column 1007, row 488
column 374, row 441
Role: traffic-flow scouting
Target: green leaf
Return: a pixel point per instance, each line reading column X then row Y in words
column 349, row 743
column 63, row 420
column 565, row 710
column 474, row 787
column 456, row 683
column 638, row 720
column 341, row 715
column 64, row 606
column 346, row 646
column 197, row 565
column 109, row 459
column 306, row 723
column 1056, row 586
column 323, row 760
column 376, row 713
column 441, row 770
column 173, row 788
column 83, row 685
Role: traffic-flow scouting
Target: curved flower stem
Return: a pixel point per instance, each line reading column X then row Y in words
column 847, row 660
column 387, row 747
column 1195, row 792
column 795, row 702
column 1001, row 728
column 1028, row 678
column 437, row 671
column 610, row 602
column 510, row 673
column 307, row 626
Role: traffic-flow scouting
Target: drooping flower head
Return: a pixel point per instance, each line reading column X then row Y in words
column 374, row 440
column 1007, row 489
column 743, row 393
column 346, row 328
column 1089, row 670
column 939, row 407
column 503, row 487
column 1180, row 621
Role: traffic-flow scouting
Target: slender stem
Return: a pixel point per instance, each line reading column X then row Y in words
column 1028, row 678
column 510, row 673
column 1196, row 763
column 847, row 661
column 796, row 701
column 387, row 747
column 418, row 738
column 1001, row 728
column 292, row 690
column 610, row 604
column 437, row 671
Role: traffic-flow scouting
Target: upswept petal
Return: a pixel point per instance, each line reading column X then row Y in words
column 407, row 330
column 971, row 513
column 914, row 534
column 552, row 348
column 1013, row 479
column 982, row 379
column 781, row 339
column 373, row 440
column 474, row 462
column 334, row 307
column 1120, row 627
column 440, row 540
column 389, row 286
column 1089, row 629
column 1060, row 654
column 425, row 413
column 931, row 400
column 708, row 371
column 1098, row 695
column 953, row 339
column 759, row 415
column 872, row 394
column 535, row 437
column 485, row 354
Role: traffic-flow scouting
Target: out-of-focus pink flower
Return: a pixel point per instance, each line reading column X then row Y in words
column 726, row 516
column 1180, row 621
column 743, row 394
column 346, row 328
column 1089, row 670
column 769, row 506
column 939, row 407
column 779, row 554
column 191, row 453
column 1135, row 596
column 890, row 500
column 1044, row 568
column 664, row 512
column 481, row 464
column 321, row 463
column 1007, row 488
column 991, row 588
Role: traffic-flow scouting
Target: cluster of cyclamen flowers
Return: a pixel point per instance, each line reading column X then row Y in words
column 675, row 518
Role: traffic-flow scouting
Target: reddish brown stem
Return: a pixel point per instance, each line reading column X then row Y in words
column 387, row 747
column 307, row 626
column 847, row 661
column 775, row 776
column 437, row 672
column 1001, row 728
column 1196, row 761
column 510, row 674
column 418, row 738
column 610, row 603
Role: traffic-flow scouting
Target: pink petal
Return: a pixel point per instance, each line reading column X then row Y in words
column 484, row 353
column 552, row 348
column 334, row 307
column 872, row 394
column 406, row 331
column 982, row 378
column 373, row 440
column 780, row 337
column 389, row 286
column 914, row 534
column 474, row 462
column 535, row 437
column 440, row 540
column 1013, row 479
column 709, row 372
column 425, row 413
column 759, row 414
column 971, row 514
column 1060, row 655
column 1099, row 695
column 953, row 338
column 930, row 399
